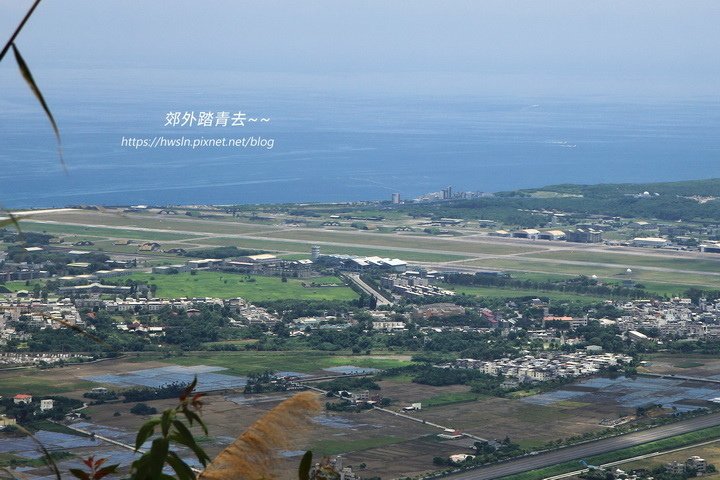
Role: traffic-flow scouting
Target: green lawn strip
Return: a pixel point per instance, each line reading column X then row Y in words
column 403, row 255
column 641, row 276
column 402, row 378
column 300, row 247
column 542, row 277
column 663, row 261
column 155, row 221
column 334, row 447
column 689, row 365
column 244, row 363
column 8, row 458
column 404, row 240
column 571, row 404
column 68, row 240
column 653, row 287
column 656, row 446
column 522, row 393
column 103, row 231
column 549, row 267
column 508, row 292
column 54, row 427
column 540, row 413
column 229, row 285
column 669, row 289
column 449, row 398
column 20, row 285
column 28, row 383
column 34, row 462
column 134, row 249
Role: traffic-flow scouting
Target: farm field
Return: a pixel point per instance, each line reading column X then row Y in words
column 39, row 383
column 711, row 453
column 388, row 445
column 243, row 363
column 694, row 365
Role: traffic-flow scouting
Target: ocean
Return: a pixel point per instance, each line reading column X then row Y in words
column 338, row 146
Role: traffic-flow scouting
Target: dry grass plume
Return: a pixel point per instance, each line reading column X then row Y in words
column 253, row 454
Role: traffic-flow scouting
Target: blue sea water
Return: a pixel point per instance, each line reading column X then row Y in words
column 343, row 147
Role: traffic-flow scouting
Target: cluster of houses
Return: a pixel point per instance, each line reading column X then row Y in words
column 693, row 466
column 14, row 271
column 676, row 317
column 412, row 286
column 38, row 313
column 12, row 358
column 56, row 313
column 20, row 271
column 667, row 236
column 357, row 263
column 94, row 277
column 546, row 366
column 25, row 399
column 253, row 314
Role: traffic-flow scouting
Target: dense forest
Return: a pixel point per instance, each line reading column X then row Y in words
column 707, row 187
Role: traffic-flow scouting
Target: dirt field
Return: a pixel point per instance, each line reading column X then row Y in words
column 688, row 365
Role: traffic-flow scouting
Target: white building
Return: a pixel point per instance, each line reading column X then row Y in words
column 650, row 242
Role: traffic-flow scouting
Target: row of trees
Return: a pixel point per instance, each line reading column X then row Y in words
column 582, row 285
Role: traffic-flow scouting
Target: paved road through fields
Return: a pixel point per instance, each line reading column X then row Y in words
column 581, row 452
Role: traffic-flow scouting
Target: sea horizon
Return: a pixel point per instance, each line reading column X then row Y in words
column 341, row 146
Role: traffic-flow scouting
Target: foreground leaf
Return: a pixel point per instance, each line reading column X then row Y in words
column 33, row 86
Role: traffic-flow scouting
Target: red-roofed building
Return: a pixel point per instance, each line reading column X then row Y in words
column 22, row 398
column 574, row 322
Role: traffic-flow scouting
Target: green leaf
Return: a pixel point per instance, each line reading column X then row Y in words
column 81, row 474
column 166, row 420
column 12, row 219
column 192, row 416
column 191, row 387
column 305, row 465
column 33, row 86
column 156, row 457
column 185, row 437
column 182, row 469
column 145, row 432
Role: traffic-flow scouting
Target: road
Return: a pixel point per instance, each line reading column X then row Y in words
column 581, row 452
column 368, row 289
